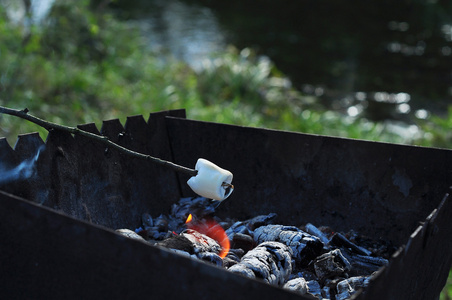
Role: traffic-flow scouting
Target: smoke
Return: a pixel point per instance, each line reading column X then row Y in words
column 24, row 170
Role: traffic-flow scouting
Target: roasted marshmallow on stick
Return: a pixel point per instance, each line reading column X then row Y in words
column 211, row 181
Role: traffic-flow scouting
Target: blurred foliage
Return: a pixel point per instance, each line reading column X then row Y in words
column 83, row 65
column 447, row 291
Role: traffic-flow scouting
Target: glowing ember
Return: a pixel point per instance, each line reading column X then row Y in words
column 213, row 230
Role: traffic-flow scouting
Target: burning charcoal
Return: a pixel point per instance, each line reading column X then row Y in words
column 348, row 287
column 305, row 247
column 340, row 240
column 298, row 285
column 270, row 261
column 211, row 181
column 196, row 243
column 331, row 264
column 211, row 257
column 314, row 289
column 130, row 234
column 210, row 228
column 243, row 241
column 311, row 229
column 363, row 265
column 201, row 242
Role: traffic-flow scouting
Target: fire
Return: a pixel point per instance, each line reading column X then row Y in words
column 189, row 218
column 213, row 230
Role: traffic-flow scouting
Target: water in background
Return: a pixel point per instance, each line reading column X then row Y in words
column 379, row 58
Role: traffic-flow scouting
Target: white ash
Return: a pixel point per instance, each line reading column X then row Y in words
column 305, row 247
column 299, row 285
column 130, row 234
column 270, row 261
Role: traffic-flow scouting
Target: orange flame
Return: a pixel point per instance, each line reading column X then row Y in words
column 189, row 218
column 213, row 230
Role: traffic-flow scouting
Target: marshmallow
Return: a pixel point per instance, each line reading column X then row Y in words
column 211, row 181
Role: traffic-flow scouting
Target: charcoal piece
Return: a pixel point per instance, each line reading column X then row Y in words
column 178, row 242
column 246, row 227
column 233, row 257
column 211, row 257
column 201, row 242
column 305, row 247
column 154, row 233
column 314, row 289
column 147, row 221
column 298, row 285
column 331, row 264
column 130, row 234
column 243, row 241
column 184, row 253
column 260, row 221
column 237, row 253
column 270, row 261
column 363, row 265
column 229, row 262
column 326, row 294
column 237, row 227
column 311, row 229
column 347, row 287
column 161, row 223
column 340, row 240
column 192, row 242
column 308, row 275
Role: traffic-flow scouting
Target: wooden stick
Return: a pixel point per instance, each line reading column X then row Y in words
column 100, row 138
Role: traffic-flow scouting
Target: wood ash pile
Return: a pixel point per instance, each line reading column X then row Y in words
column 313, row 261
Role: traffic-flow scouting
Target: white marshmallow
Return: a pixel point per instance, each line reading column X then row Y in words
column 209, row 182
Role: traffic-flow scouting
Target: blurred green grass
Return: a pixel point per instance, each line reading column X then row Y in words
column 82, row 66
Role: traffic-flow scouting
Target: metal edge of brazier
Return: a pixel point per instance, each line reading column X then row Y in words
column 47, row 254
column 377, row 189
column 88, row 181
column 427, row 246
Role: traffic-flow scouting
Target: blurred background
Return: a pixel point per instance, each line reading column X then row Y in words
column 375, row 70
